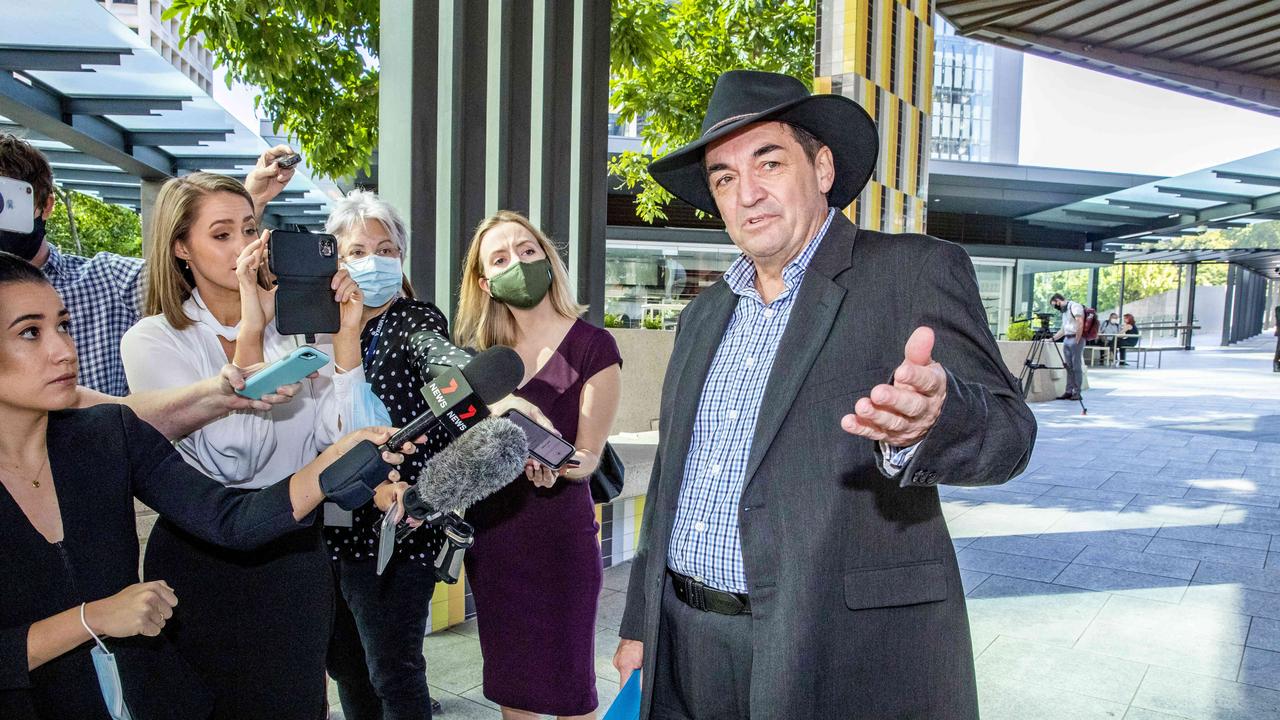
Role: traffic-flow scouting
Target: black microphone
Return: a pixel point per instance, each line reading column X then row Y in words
column 459, row 397
column 482, row 461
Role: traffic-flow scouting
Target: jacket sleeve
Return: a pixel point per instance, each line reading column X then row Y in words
column 13, row 658
column 985, row 432
column 237, row 519
column 632, row 626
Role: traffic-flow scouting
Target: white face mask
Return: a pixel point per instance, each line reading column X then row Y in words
column 379, row 278
column 104, row 664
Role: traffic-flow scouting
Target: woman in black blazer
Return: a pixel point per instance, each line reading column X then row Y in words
column 68, row 542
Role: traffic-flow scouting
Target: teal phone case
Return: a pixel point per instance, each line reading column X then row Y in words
column 285, row 371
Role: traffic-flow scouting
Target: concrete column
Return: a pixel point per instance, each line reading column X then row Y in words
column 150, row 189
column 495, row 104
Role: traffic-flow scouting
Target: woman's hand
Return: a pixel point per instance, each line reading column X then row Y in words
column 587, row 462
column 540, row 475
column 512, row 402
column 351, row 302
column 377, row 436
column 140, row 609
column 393, row 492
column 257, row 305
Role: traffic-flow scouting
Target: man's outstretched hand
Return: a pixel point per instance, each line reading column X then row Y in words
column 901, row 414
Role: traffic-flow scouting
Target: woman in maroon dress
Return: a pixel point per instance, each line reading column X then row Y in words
column 535, row 568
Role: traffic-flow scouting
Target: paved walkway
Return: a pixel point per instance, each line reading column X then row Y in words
column 1132, row 572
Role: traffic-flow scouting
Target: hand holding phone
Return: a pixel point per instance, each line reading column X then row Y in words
column 288, row 161
column 544, row 446
column 287, row 370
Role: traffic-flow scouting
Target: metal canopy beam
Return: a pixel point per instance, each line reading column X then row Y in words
column 95, row 177
column 1151, row 207
column 15, row 59
column 1248, row 178
column 41, row 110
column 176, row 138
column 210, row 162
column 1193, row 194
column 109, row 105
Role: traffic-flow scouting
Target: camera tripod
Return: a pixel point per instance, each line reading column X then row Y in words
column 1035, row 356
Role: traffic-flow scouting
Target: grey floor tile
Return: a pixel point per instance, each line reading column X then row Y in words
column 1059, row 668
column 1214, row 534
column 1184, row 621
column 1124, row 582
column 1247, row 557
column 1273, row 561
column 1019, row 566
column 1236, row 497
column 617, row 577
column 1069, row 477
column 1000, row 699
column 1094, row 495
column 454, row 662
column 476, row 695
column 1139, row 562
column 1135, row 541
column 465, row 706
column 1137, row 713
column 1144, row 484
column 1264, row 633
column 1030, row 610
column 1232, row 598
column 1047, row 548
column 993, row 494
column 1260, row 667
column 1188, row 653
column 1251, row 578
column 971, row 579
column 1196, row 696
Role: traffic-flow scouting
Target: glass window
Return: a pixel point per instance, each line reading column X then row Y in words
column 654, row 281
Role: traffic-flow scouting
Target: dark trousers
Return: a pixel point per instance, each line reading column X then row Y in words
column 1123, row 343
column 375, row 652
column 254, row 624
column 703, row 667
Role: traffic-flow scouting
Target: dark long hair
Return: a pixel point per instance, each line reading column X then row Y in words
column 14, row 269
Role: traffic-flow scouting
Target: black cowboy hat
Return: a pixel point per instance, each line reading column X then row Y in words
column 742, row 97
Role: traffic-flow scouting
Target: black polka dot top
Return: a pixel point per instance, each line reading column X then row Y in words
column 414, row 339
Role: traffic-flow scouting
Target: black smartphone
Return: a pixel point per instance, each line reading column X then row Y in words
column 288, row 161
column 304, row 265
column 544, row 446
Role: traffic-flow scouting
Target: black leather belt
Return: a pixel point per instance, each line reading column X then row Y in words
column 700, row 597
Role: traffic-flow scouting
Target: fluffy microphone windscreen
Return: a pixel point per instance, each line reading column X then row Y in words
column 494, row 373
column 481, row 462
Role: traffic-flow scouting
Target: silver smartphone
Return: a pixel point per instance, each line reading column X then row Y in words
column 17, row 205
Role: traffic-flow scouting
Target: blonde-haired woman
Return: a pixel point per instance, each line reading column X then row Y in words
column 535, row 569
column 255, row 625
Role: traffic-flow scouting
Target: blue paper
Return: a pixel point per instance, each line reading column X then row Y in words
column 627, row 705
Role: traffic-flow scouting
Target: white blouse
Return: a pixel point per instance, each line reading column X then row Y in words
column 247, row 449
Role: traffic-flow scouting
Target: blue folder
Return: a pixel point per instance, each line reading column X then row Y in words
column 627, row 705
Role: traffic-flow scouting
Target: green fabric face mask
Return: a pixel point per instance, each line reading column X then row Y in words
column 522, row 285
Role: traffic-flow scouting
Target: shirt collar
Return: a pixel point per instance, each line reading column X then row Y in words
column 741, row 275
column 52, row 263
column 195, row 309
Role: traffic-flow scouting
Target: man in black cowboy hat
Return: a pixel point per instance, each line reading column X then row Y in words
column 794, row 561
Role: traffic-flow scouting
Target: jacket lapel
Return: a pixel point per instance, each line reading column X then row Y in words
column 696, row 348
column 807, row 331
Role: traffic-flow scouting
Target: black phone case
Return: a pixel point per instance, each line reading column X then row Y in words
column 304, row 264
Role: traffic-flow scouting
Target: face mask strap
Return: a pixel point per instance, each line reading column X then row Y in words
column 89, row 630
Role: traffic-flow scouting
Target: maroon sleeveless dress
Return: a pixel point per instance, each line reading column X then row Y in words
column 535, row 569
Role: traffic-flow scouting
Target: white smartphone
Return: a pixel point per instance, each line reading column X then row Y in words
column 17, row 205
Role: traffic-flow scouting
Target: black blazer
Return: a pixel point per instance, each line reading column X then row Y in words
column 857, row 607
column 102, row 458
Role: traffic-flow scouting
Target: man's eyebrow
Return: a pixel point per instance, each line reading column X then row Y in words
column 766, row 149
column 716, row 168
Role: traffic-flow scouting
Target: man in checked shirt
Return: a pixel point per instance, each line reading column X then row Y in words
column 794, row 562
column 104, row 292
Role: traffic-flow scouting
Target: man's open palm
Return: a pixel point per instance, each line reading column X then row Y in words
column 901, row 414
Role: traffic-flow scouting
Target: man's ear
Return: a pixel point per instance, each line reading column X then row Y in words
column 48, row 208
column 824, row 166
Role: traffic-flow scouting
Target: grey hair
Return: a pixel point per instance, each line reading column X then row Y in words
column 351, row 212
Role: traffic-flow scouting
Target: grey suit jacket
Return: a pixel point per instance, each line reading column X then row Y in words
column 857, row 607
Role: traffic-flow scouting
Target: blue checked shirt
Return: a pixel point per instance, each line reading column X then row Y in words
column 104, row 296
column 705, row 541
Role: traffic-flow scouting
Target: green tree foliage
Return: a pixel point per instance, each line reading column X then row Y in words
column 666, row 56
column 314, row 61
column 102, row 227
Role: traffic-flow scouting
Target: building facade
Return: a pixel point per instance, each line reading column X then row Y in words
column 977, row 99
column 145, row 17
